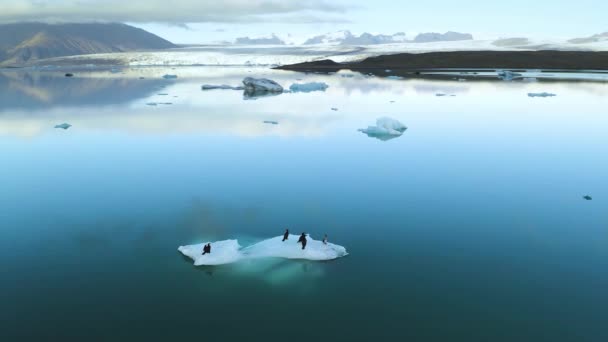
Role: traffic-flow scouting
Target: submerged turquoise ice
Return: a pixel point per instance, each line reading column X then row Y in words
column 470, row 225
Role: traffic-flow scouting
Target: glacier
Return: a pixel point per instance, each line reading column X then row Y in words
column 386, row 128
column 229, row 251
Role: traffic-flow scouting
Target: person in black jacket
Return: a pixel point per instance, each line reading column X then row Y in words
column 207, row 249
column 303, row 240
column 286, row 235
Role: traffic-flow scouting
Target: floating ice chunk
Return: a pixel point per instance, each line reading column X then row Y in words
column 395, row 77
column 229, row 251
column 271, row 122
column 169, row 77
column 462, row 80
column 223, row 86
column 63, row 126
column 507, row 75
column 388, row 70
column 385, row 129
column 308, row 87
column 222, row 252
column 544, row 94
column 291, row 249
column 261, row 85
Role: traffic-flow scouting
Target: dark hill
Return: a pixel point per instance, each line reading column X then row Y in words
column 25, row 42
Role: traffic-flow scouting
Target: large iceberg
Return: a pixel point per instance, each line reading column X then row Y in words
column 308, row 87
column 385, row 129
column 261, row 85
column 229, row 251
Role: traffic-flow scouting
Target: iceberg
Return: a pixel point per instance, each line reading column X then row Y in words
column 507, row 75
column 541, row 95
column 261, row 85
column 63, row 126
column 308, row 87
column 223, row 86
column 385, row 129
column 229, row 251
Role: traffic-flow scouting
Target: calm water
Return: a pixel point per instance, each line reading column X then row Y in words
column 469, row 227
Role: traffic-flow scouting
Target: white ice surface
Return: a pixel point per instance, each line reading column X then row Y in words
column 229, row 251
column 308, row 87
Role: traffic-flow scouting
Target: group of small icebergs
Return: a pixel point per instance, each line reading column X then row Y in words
column 259, row 87
column 229, row 251
column 386, row 129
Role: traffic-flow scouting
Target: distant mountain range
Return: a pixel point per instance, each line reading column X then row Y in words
column 593, row 39
column 348, row 38
column 273, row 40
column 26, row 42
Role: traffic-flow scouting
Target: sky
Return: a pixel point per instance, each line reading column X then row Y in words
column 205, row 21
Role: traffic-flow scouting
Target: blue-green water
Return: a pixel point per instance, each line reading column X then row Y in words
column 469, row 227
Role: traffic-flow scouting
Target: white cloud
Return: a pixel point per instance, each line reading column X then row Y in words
column 167, row 11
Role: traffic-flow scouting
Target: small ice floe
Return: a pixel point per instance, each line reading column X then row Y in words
column 261, row 85
column 270, row 122
column 169, row 77
column 308, row 87
column 587, row 198
column 507, row 75
column 544, row 94
column 385, row 129
column 394, row 77
column 63, row 126
column 335, row 109
column 223, row 86
column 388, row 71
column 462, row 80
column 230, row 251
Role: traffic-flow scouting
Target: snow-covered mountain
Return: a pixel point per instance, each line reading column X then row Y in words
column 593, row 39
column 272, row 40
column 347, row 38
column 449, row 36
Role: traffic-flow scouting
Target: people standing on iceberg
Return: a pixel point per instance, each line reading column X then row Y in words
column 207, row 249
column 325, row 239
column 303, row 240
column 286, row 235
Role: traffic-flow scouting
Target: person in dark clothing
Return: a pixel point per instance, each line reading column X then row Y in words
column 286, row 235
column 325, row 240
column 207, row 249
column 303, row 240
